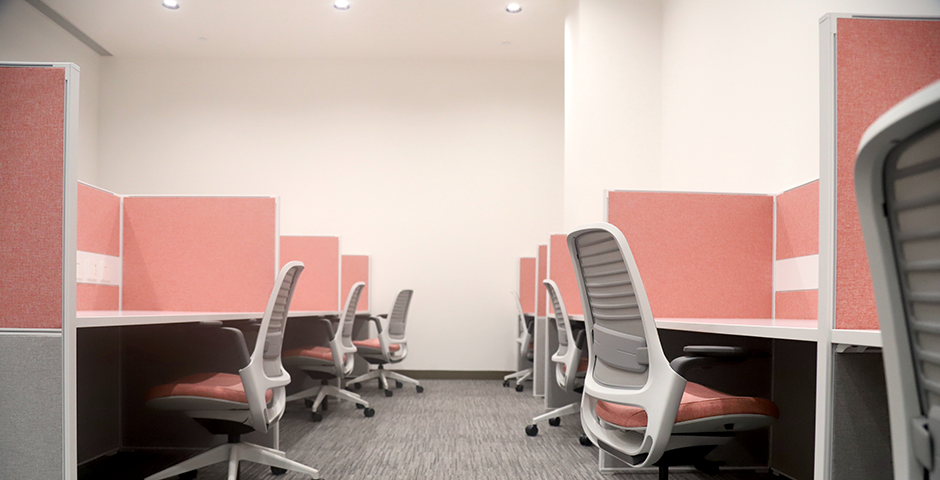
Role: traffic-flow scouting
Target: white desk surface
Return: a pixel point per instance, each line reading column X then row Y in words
column 114, row 318
column 806, row 330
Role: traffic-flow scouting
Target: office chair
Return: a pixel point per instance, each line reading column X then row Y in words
column 233, row 405
column 637, row 406
column 897, row 184
column 330, row 363
column 525, row 347
column 391, row 346
column 570, row 366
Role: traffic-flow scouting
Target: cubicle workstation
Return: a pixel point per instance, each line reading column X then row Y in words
column 867, row 65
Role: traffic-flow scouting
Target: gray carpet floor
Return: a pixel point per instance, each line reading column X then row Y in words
column 456, row 429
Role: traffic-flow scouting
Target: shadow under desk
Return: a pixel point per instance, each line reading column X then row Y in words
column 120, row 357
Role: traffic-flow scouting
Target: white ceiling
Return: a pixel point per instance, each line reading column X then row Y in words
column 412, row 29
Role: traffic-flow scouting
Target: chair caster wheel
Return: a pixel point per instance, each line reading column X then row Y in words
column 399, row 384
column 506, row 383
column 190, row 475
column 532, row 430
column 419, row 389
column 308, row 403
column 360, row 406
column 585, row 441
column 554, row 421
column 370, row 412
column 278, row 471
column 316, row 417
column 357, row 385
column 388, row 393
column 519, row 387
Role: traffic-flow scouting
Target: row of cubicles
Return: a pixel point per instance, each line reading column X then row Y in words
column 786, row 274
column 103, row 293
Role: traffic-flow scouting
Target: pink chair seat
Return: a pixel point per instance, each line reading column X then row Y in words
column 582, row 365
column 374, row 344
column 698, row 401
column 320, row 353
column 221, row 386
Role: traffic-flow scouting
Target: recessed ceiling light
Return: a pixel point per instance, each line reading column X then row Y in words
column 513, row 8
column 341, row 4
column 171, row 4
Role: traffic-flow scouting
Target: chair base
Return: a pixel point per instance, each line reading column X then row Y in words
column 694, row 456
column 384, row 375
column 570, row 409
column 322, row 391
column 233, row 453
column 520, row 376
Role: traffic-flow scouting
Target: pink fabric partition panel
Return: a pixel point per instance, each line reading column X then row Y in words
column 99, row 221
column 201, row 254
column 798, row 222
column 318, row 289
column 799, row 305
column 561, row 271
column 540, row 293
column 98, row 297
column 527, row 284
column 32, row 135
column 878, row 64
column 700, row 255
column 356, row 269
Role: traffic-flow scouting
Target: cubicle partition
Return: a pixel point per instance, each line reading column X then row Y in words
column 528, row 288
column 561, row 271
column 796, row 257
column 356, row 268
column 98, row 260
column 319, row 287
column 38, row 122
column 867, row 65
column 541, row 300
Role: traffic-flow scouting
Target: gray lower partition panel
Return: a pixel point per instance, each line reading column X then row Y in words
column 30, row 406
column 861, row 431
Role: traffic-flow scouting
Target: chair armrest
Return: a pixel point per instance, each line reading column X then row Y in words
column 580, row 339
column 238, row 339
column 703, row 356
column 530, row 325
column 329, row 326
column 383, row 315
column 378, row 323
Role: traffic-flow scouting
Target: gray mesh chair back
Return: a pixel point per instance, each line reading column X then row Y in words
column 568, row 355
column 399, row 315
column 347, row 319
column 897, row 181
column 626, row 361
column 264, row 371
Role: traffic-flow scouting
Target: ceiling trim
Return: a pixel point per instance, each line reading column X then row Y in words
column 68, row 26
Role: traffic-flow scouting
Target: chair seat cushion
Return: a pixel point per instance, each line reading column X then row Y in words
column 698, row 401
column 374, row 344
column 319, row 353
column 220, row 386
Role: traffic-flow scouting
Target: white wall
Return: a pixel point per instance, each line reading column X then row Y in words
column 445, row 172
column 26, row 35
column 612, row 102
column 741, row 90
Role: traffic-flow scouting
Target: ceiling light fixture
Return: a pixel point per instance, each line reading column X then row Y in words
column 341, row 4
column 171, row 4
column 514, row 8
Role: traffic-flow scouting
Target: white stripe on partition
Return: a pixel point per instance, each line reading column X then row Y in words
column 799, row 273
column 98, row 269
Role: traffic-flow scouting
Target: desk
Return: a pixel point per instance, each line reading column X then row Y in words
column 127, row 318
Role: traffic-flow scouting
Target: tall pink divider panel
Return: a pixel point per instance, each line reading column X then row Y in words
column 540, row 293
column 32, row 148
column 878, row 64
column 318, row 291
column 798, row 236
column 527, row 275
column 561, row 271
column 356, row 269
column 199, row 254
column 99, row 231
column 700, row 255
